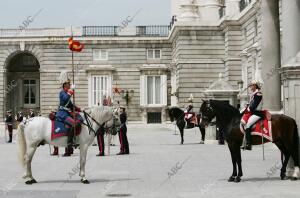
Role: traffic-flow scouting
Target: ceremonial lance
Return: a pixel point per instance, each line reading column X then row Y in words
column 74, row 46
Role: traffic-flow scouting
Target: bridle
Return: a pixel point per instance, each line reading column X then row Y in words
column 103, row 126
column 207, row 108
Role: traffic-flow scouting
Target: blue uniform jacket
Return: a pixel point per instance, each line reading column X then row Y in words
column 65, row 105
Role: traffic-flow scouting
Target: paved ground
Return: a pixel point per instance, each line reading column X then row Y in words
column 157, row 167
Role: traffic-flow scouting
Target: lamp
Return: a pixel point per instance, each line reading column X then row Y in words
column 127, row 95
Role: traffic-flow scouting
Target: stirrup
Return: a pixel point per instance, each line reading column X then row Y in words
column 247, row 147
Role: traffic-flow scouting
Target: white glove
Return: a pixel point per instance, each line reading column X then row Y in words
column 242, row 110
column 72, row 87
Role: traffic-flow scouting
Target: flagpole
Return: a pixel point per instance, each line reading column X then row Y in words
column 73, row 76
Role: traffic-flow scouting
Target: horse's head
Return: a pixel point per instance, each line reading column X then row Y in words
column 207, row 113
column 106, row 116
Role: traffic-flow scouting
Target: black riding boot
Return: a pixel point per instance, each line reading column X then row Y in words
column 70, row 138
column 248, row 139
column 10, row 138
column 188, row 124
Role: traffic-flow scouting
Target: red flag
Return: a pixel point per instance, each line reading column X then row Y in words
column 75, row 45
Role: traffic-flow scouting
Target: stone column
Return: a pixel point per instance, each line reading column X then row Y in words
column 291, row 63
column 290, row 29
column 208, row 10
column 188, row 11
column 175, row 8
column 243, row 95
column 270, row 54
column 291, row 86
column 232, row 7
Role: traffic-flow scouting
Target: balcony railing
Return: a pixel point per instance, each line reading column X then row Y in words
column 244, row 4
column 142, row 31
column 103, row 31
column 100, row 31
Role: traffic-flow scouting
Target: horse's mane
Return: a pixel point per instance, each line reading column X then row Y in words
column 227, row 115
column 226, row 109
column 176, row 112
column 98, row 113
column 175, row 108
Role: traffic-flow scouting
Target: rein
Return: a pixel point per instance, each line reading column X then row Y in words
column 87, row 117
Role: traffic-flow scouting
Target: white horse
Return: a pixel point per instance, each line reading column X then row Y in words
column 37, row 130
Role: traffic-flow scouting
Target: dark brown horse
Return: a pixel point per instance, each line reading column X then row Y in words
column 284, row 132
column 177, row 114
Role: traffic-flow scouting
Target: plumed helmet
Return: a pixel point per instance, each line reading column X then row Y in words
column 257, row 83
column 63, row 77
column 190, row 99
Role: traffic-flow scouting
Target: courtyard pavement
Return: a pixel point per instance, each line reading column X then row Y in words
column 158, row 166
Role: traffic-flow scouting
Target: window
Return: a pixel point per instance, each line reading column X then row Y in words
column 245, row 34
column 153, row 54
column 29, row 92
column 29, row 60
column 101, row 86
column 153, row 90
column 255, row 27
column 100, row 54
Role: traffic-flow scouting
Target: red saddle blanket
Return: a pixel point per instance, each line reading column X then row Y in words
column 59, row 129
column 262, row 127
column 192, row 116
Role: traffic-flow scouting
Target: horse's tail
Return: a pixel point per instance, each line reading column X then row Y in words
column 21, row 143
column 296, row 143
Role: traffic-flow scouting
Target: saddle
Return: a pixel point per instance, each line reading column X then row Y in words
column 193, row 119
column 59, row 129
column 262, row 127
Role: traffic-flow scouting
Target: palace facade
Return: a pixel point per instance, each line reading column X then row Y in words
column 211, row 49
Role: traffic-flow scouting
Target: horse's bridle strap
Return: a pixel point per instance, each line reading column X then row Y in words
column 101, row 126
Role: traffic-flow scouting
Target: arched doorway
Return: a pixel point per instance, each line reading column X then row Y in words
column 22, row 91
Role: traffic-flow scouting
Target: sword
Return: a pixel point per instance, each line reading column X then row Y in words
column 262, row 139
column 5, row 137
column 109, row 141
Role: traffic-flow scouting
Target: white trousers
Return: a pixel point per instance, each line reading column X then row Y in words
column 251, row 121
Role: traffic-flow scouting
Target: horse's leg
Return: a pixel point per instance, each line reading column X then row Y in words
column 181, row 135
column 234, row 172
column 28, row 159
column 237, row 152
column 202, row 130
column 83, row 153
column 286, row 159
column 180, row 126
column 295, row 157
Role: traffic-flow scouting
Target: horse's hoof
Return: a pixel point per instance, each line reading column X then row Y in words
column 181, row 142
column 28, row 182
column 85, row 181
column 294, row 178
column 283, row 177
column 237, row 180
column 231, row 179
column 202, row 142
column 32, row 181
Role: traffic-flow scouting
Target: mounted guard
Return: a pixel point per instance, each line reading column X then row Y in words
column 67, row 112
column 252, row 111
column 188, row 113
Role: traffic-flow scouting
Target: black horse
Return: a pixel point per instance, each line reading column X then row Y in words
column 177, row 114
column 284, row 133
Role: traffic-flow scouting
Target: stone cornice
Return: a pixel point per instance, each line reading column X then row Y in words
column 154, row 67
column 197, row 61
column 198, row 26
column 100, row 68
